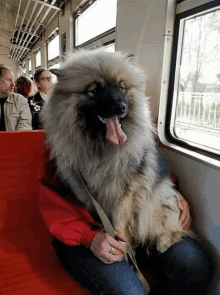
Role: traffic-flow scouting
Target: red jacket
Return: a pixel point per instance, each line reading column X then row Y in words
column 66, row 218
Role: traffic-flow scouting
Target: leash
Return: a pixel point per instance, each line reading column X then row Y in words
column 81, row 189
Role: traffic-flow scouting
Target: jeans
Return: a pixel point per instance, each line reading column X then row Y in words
column 182, row 269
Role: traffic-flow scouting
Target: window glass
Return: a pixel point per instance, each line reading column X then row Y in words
column 196, row 105
column 109, row 47
column 53, row 48
column 29, row 65
column 54, row 77
column 97, row 19
column 38, row 59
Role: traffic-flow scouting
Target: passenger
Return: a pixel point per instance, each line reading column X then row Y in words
column 15, row 113
column 23, row 86
column 43, row 81
column 82, row 245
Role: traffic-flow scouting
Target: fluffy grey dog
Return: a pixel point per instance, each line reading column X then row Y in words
column 98, row 121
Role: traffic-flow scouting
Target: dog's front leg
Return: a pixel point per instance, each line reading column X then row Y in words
column 122, row 220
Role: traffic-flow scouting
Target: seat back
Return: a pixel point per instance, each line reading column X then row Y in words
column 28, row 263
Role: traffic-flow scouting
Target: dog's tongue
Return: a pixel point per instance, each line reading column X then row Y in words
column 114, row 131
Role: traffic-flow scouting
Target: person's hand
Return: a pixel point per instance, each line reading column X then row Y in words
column 185, row 217
column 106, row 248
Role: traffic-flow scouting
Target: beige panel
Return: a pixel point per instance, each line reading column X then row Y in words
column 132, row 30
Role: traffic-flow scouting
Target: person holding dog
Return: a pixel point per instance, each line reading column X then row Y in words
column 95, row 259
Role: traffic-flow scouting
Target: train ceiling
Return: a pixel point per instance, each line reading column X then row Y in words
column 32, row 16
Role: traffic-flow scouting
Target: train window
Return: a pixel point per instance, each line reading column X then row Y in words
column 110, row 47
column 196, row 102
column 54, row 66
column 53, row 48
column 38, row 59
column 191, row 117
column 95, row 20
column 29, row 65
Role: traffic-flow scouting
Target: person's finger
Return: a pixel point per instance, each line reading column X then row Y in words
column 114, row 251
column 183, row 220
column 103, row 259
column 186, row 219
column 184, row 210
column 117, row 245
column 187, row 222
column 184, row 214
column 180, row 205
column 110, row 258
column 119, row 236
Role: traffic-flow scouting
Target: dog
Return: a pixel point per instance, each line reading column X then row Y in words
column 98, row 121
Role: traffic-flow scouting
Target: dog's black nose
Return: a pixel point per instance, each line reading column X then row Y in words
column 119, row 108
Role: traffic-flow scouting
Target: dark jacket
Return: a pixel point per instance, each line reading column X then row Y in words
column 36, row 104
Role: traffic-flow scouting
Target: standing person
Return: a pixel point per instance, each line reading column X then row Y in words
column 43, row 81
column 15, row 113
column 23, row 86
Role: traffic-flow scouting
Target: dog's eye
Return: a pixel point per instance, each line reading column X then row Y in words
column 92, row 90
column 122, row 86
column 91, row 93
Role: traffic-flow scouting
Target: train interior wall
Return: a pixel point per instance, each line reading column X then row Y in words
column 199, row 182
column 7, row 17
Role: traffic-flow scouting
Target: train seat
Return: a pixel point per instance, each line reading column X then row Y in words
column 28, row 264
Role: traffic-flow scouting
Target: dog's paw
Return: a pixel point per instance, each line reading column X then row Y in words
column 163, row 243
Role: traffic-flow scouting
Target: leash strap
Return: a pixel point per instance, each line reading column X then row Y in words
column 80, row 188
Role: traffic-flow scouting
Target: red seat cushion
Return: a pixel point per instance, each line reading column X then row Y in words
column 28, row 264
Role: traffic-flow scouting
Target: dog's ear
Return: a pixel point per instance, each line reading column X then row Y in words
column 56, row 72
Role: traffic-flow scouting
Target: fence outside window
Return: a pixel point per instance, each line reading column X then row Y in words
column 198, row 118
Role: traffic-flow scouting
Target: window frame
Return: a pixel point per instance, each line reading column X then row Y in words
column 35, row 59
column 106, row 44
column 99, row 40
column 56, row 59
column 174, row 15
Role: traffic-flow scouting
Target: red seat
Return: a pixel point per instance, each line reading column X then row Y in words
column 28, row 264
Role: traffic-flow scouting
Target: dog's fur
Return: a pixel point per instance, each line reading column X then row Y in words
column 126, row 179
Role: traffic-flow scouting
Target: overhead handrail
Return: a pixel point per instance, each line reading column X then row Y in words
column 19, row 7
column 28, row 35
column 27, row 49
column 20, row 28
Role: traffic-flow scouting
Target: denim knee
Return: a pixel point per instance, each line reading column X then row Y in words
column 187, row 259
column 99, row 278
